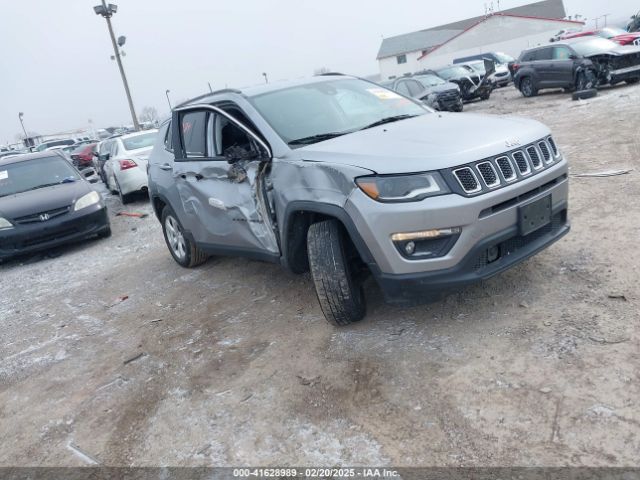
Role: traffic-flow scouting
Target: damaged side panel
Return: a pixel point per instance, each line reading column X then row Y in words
column 223, row 205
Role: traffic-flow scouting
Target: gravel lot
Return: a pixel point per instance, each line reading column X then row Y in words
column 232, row 363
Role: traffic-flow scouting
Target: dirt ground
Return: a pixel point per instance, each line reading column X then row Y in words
column 232, row 363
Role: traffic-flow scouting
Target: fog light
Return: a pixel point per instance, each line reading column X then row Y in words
column 425, row 234
column 410, row 247
column 493, row 254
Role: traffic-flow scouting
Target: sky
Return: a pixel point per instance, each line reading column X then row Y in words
column 56, row 66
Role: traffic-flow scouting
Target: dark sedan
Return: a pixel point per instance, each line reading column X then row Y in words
column 430, row 89
column 45, row 202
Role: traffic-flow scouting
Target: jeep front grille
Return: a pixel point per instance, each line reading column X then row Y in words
column 500, row 171
column 506, row 168
column 468, row 180
column 488, row 174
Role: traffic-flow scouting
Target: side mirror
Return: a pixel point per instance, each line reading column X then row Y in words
column 573, row 56
column 88, row 172
column 489, row 66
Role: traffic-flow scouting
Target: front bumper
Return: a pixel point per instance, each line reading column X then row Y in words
column 475, row 266
column 68, row 228
column 485, row 220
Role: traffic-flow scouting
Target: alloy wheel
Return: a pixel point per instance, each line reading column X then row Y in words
column 175, row 237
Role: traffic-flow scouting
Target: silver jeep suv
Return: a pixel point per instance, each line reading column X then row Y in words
column 346, row 178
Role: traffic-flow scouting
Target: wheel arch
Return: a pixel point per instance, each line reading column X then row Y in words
column 299, row 215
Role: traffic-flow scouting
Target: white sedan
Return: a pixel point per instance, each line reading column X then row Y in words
column 125, row 167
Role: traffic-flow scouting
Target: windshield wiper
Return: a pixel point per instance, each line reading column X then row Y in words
column 395, row 118
column 45, row 185
column 316, row 138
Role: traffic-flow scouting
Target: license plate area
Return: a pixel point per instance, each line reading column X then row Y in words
column 534, row 215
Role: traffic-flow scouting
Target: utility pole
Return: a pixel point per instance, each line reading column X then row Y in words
column 605, row 18
column 266, row 79
column 26, row 142
column 168, row 101
column 107, row 12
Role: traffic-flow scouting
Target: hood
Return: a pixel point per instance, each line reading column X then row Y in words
column 444, row 87
column 621, row 50
column 43, row 199
column 428, row 142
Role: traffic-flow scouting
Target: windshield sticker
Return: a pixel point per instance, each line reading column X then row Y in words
column 384, row 94
column 4, row 175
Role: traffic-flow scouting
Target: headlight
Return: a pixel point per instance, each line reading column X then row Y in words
column 403, row 188
column 87, row 200
column 5, row 224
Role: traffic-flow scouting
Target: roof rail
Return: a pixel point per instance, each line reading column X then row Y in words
column 208, row 94
column 326, row 74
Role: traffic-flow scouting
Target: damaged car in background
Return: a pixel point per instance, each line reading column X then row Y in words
column 578, row 64
column 349, row 180
column 473, row 84
column 430, row 89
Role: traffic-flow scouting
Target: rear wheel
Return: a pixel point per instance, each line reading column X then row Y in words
column 527, row 88
column 124, row 198
column 106, row 233
column 338, row 288
column 183, row 251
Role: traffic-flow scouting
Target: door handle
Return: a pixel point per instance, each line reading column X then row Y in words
column 165, row 166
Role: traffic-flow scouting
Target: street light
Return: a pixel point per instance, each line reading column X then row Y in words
column 26, row 142
column 107, row 11
column 168, row 101
column 266, row 80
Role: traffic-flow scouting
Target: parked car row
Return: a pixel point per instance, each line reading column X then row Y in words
column 447, row 88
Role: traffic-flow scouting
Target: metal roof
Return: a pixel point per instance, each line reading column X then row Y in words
column 432, row 37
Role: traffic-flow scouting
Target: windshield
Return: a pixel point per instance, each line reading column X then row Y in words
column 453, row 72
column 610, row 32
column 430, row 80
column 503, row 58
column 594, row 46
column 139, row 141
column 33, row 174
column 317, row 111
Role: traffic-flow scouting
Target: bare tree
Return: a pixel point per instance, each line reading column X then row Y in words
column 149, row 114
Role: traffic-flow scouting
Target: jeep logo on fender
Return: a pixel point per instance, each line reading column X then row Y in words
column 512, row 143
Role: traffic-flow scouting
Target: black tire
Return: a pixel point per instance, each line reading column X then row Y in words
column 340, row 294
column 632, row 81
column 526, row 87
column 584, row 94
column 192, row 256
column 124, row 198
column 584, row 82
column 106, row 233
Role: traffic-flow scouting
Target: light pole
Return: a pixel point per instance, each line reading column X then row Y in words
column 20, row 115
column 168, row 101
column 266, row 80
column 107, row 12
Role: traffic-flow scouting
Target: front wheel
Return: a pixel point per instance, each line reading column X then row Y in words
column 339, row 292
column 124, row 198
column 183, row 250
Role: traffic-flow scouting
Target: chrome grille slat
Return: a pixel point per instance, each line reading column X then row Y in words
column 521, row 162
column 35, row 217
column 506, row 168
column 467, row 180
column 488, row 173
column 534, row 156
column 546, row 153
column 554, row 147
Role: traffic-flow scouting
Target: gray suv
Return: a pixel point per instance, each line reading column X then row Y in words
column 348, row 179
